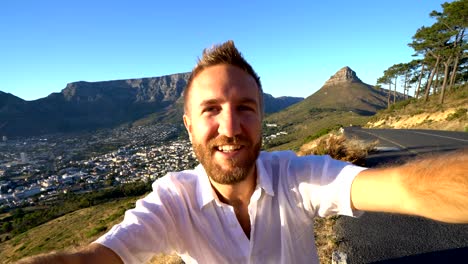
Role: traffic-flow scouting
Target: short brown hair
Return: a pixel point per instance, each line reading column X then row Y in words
column 225, row 53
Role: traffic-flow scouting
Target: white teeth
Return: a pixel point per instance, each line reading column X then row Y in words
column 228, row 148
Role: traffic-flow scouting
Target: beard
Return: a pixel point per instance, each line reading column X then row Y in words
column 239, row 167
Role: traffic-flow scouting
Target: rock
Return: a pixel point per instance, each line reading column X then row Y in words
column 339, row 257
column 344, row 75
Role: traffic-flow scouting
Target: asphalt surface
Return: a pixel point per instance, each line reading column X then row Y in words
column 390, row 238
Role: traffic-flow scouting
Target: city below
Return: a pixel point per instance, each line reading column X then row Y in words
column 38, row 169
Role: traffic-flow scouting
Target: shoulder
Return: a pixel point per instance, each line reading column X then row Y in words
column 171, row 198
column 176, row 183
column 286, row 164
column 177, row 178
column 290, row 160
column 276, row 156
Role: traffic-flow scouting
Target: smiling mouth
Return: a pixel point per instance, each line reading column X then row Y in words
column 228, row 148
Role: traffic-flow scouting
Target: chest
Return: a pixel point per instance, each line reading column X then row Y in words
column 220, row 233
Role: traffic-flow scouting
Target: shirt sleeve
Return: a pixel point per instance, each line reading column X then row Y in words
column 324, row 185
column 144, row 231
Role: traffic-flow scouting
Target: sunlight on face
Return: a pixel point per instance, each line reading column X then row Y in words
column 224, row 122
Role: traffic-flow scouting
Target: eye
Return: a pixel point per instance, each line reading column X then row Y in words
column 246, row 108
column 210, row 109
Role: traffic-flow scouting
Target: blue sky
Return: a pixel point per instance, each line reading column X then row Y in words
column 295, row 46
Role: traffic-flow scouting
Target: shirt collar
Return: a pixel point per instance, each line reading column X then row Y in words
column 206, row 194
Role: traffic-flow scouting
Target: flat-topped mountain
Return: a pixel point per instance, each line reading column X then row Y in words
column 145, row 90
column 90, row 105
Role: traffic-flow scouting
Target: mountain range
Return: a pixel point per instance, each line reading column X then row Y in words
column 84, row 106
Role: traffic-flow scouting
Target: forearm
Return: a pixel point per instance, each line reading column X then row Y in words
column 437, row 187
column 93, row 253
column 433, row 187
column 59, row 258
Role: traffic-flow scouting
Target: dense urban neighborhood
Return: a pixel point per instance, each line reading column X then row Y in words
column 38, row 169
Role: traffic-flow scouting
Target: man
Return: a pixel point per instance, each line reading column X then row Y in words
column 245, row 206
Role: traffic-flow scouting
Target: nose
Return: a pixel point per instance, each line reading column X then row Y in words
column 229, row 123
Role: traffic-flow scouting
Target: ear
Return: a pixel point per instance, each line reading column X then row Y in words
column 188, row 125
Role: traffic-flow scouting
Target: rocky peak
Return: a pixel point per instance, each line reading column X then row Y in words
column 344, row 75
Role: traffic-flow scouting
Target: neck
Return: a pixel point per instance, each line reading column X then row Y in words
column 237, row 194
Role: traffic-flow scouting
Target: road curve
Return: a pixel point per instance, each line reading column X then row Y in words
column 390, row 238
column 397, row 145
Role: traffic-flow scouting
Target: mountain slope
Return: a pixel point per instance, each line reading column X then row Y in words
column 343, row 100
column 345, row 91
column 412, row 113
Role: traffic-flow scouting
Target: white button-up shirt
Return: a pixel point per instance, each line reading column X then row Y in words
column 183, row 214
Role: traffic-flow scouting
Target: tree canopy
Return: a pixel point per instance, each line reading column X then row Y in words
column 441, row 51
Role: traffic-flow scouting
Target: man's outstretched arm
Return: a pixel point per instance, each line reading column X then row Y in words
column 93, row 253
column 434, row 187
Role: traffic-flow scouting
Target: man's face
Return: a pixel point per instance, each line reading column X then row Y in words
column 223, row 120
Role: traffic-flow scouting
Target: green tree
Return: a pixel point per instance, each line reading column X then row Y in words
column 385, row 79
column 421, row 74
column 445, row 43
column 455, row 18
column 430, row 41
column 416, row 74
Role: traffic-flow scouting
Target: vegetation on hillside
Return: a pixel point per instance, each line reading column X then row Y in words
column 21, row 220
column 299, row 132
column 67, row 232
column 430, row 114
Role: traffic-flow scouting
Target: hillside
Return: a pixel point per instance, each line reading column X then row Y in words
column 342, row 101
column 345, row 91
column 452, row 115
column 70, row 231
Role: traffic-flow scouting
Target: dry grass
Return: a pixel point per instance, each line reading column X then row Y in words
column 71, row 232
column 326, row 239
column 452, row 115
column 68, row 232
column 338, row 147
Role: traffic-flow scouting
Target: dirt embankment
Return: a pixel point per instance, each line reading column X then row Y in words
column 454, row 119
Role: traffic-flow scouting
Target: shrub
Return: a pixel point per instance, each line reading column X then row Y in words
column 401, row 104
column 322, row 132
column 96, row 231
column 460, row 113
column 338, row 147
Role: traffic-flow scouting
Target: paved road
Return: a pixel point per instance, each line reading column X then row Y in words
column 389, row 238
column 397, row 145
